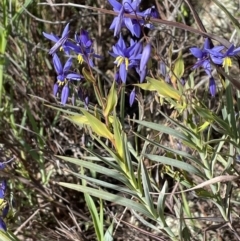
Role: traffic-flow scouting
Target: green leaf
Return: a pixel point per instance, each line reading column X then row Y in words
column 78, row 119
column 97, row 126
column 109, row 232
column 164, row 89
column 147, row 189
column 179, row 164
column 163, row 129
column 113, row 173
column 101, row 183
column 98, row 225
column 178, row 68
column 111, row 100
column 117, row 129
column 109, row 197
column 146, row 86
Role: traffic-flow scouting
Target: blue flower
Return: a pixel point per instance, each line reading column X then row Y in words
column 203, row 57
column 223, row 58
column 63, row 73
column 60, row 42
column 126, row 58
column 129, row 7
column 84, row 48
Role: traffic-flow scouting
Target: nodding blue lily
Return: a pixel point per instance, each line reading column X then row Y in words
column 126, row 58
column 129, row 7
column 60, row 42
column 202, row 56
column 63, row 72
column 84, row 48
column 223, row 58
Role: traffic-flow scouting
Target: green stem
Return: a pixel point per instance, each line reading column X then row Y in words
column 122, row 104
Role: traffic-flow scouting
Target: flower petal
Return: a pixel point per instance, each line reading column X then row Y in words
column 65, row 94
column 52, row 37
column 55, row 89
column 57, row 64
column 123, row 72
column 145, row 56
column 132, row 97
column 67, row 65
column 115, row 4
column 73, row 76
column 65, row 31
column 196, row 52
column 212, row 86
column 3, row 226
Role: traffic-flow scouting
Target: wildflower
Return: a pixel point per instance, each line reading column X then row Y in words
column 148, row 14
column 126, row 58
column 60, row 42
column 63, row 72
column 84, row 48
column 203, row 57
column 223, row 58
column 212, row 86
column 132, row 97
column 129, row 7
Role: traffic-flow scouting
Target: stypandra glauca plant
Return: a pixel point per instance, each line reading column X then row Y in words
column 151, row 178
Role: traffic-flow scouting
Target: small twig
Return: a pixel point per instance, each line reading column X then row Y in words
column 25, row 223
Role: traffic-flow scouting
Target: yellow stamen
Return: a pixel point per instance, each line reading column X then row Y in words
column 227, row 62
column 126, row 63
column 61, row 83
column 80, row 59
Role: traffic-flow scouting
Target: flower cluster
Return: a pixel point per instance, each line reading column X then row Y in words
column 131, row 55
column 82, row 46
column 216, row 55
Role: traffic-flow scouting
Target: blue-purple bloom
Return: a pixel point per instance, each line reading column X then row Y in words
column 203, row 57
column 60, row 42
column 223, row 58
column 63, row 73
column 126, row 58
column 84, row 48
column 129, row 7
